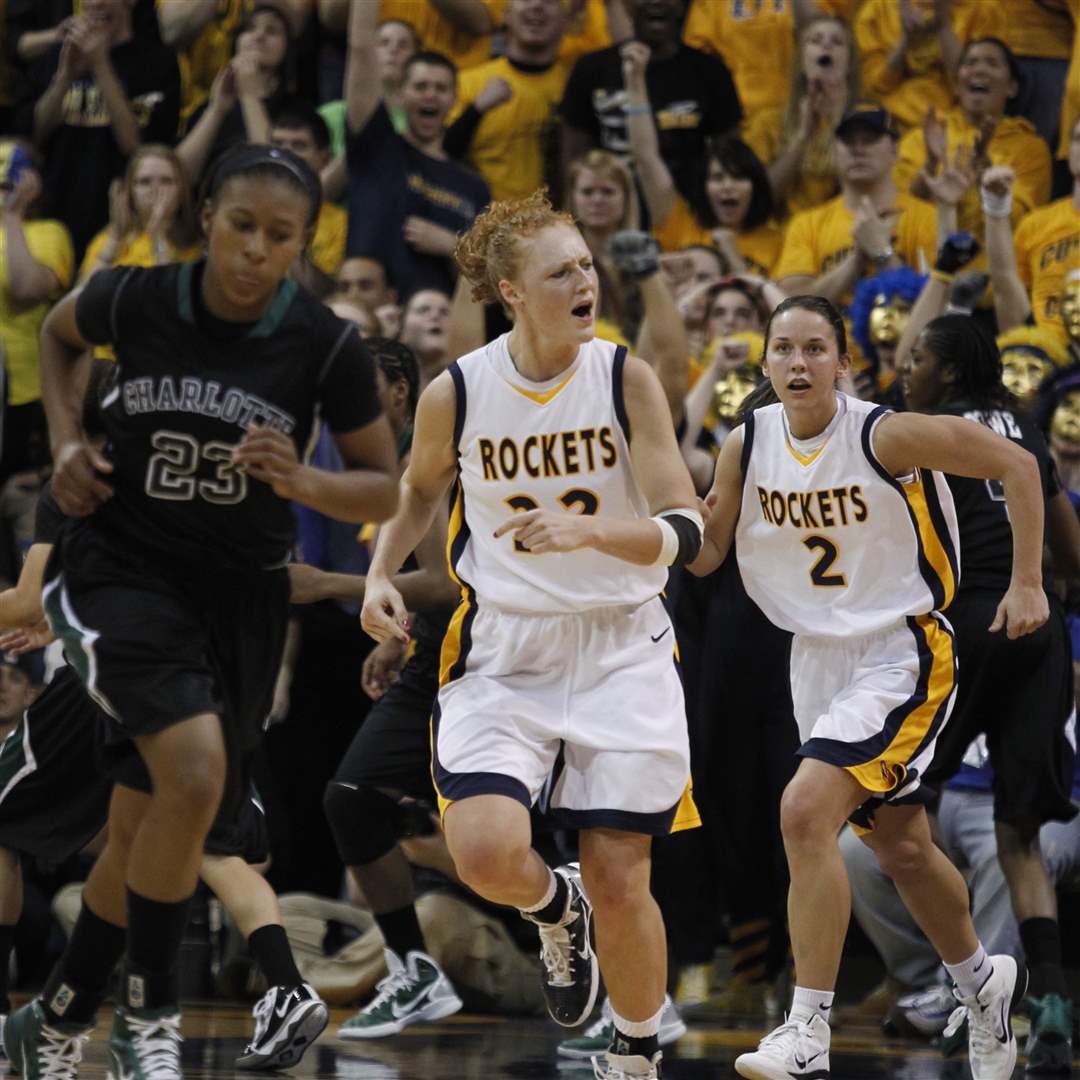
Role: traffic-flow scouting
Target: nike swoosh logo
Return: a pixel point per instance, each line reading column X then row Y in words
column 282, row 1009
column 661, row 634
column 1003, row 1038
column 399, row 1012
column 801, row 1063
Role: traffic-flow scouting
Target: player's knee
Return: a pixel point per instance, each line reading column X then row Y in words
column 193, row 788
column 804, row 822
column 902, row 859
column 487, row 864
column 363, row 820
column 613, row 887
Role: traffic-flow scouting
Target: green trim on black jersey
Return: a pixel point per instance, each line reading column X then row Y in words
column 271, row 320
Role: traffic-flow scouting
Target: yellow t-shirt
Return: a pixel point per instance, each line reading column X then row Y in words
column 208, row 54
column 1047, row 244
column 760, row 247
column 1015, row 143
column 1042, row 28
column 587, row 32
column 924, row 83
column 816, row 182
column 137, row 250
column 438, row 35
column 818, row 239
column 327, row 250
column 50, row 244
column 513, row 140
column 756, row 41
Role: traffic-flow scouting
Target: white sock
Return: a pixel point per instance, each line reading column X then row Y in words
column 970, row 975
column 549, row 895
column 807, row 1003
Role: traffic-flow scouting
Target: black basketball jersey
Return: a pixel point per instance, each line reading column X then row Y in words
column 986, row 545
column 188, row 386
column 48, row 517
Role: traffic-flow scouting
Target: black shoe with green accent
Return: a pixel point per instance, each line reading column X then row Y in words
column 40, row 1050
column 145, row 1044
column 1049, row 1046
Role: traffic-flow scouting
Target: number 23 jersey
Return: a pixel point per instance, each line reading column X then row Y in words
column 187, row 388
column 561, row 446
column 829, row 544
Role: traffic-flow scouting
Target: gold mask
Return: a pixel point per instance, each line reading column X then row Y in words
column 888, row 319
column 1070, row 305
column 1023, row 372
column 1065, row 424
column 730, row 390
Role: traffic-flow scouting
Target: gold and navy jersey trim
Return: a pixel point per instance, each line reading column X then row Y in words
column 938, row 562
column 880, row 763
column 749, row 427
column 458, row 379
column 543, row 397
column 617, row 370
column 805, row 460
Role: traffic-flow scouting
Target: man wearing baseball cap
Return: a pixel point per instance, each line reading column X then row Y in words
column 869, row 226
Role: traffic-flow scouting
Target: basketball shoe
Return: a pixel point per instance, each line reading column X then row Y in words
column 288, row 1019
column 794, row 1051
column 597, row 1037
column 145, row 1044
column 634, row 1067
column 415, row 990
column 991, row 1042
column 572, row 972
column 1049, row 1045
column 40, row 1050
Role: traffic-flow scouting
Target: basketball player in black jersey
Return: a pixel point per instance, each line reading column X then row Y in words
column 1018, row 692
column 170, row 594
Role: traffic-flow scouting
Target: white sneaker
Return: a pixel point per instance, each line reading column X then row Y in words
column 794, row 1051
column 991, row 1043
column 632, row 1067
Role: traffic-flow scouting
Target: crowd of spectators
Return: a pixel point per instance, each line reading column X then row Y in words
column 718, row 156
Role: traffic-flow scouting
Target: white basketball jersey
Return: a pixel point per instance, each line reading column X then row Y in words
column 830, row 544
column 561, row 446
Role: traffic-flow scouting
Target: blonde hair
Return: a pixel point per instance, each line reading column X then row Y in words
column 488, row 252
column 605, row 164
column 183, row 230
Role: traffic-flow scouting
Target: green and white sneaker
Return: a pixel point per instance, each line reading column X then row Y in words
column 415, row 991
column 40, row 1050
column 1049, row 1045
column 598, row 1035
column 145, row 1044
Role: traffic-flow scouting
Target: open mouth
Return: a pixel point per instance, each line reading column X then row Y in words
column 978, row 88
column 728, row 202
column 798, row 384
column 583, row 311
column 825, row 60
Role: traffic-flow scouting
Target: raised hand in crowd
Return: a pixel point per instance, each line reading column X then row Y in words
column 953, row 178
column 23, row 194
column 873, row 231
column 496, row 91
column 427, row 237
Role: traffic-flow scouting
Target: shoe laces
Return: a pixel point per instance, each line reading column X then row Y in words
column 388, row 988
column 59, row 1055
column 982, row 1030
column 556, row 954
column 604, row 1070
column 157, row 1045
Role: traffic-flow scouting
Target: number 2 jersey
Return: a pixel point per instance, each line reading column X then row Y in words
column 187, row 387
column 562, row 446
column 829, row 544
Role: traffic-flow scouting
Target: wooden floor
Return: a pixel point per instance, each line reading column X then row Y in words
column 478, row 1048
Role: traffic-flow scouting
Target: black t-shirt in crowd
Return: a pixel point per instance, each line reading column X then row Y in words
column 188, row 385
column 390, row 180
column 81, row 155
column 692, row 95
column 986, row 545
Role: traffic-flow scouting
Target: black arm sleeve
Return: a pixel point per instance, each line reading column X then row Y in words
column 347, row 390
column 459, row 135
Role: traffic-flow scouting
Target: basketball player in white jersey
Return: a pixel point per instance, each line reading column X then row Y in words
column 560, row 661
column 846, row 537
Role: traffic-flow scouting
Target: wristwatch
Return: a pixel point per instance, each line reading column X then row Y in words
column 883, row 257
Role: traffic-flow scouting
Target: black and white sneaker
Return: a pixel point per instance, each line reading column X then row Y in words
column 572, row 973
column 287, row 1021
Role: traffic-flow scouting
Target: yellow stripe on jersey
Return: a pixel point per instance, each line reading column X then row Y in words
column 805, row 459
column 451, row 646
column 932, row 545
column 888, row 771
column 443, row 804
column 547, row 395
column 457, row 523
column 686, row 813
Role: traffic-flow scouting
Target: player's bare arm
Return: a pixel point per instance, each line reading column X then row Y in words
column 64, row 361
column 432, row 467
column 722, row 507
column 952, row 444
column 658, row 468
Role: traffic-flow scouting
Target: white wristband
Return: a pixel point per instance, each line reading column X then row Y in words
column 996, row 206
column 669, row 543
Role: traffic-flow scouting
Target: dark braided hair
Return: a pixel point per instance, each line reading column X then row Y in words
column 961, row 344
column 398, row 363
